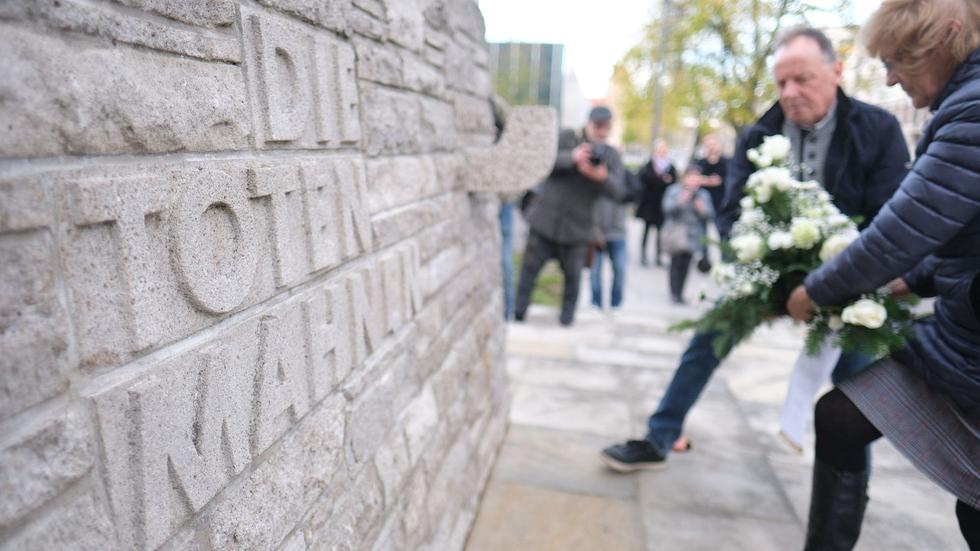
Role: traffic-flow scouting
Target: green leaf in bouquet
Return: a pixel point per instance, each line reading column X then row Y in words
column 732, row 321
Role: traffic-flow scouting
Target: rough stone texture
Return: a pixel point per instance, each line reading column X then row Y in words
column 157, row 103
column 245, row 262
column 129, row 27
column 510, row 164
column 43, row 462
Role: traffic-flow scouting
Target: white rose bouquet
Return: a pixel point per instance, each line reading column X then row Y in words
column 787, row 229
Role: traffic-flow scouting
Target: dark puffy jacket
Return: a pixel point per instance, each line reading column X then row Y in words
column 867, row 159
column 930, row 232
column 564, row 204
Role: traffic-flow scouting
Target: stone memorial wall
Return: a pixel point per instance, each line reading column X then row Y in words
column 249, row 272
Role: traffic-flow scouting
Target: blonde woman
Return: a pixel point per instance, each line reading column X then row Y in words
column 926, row 398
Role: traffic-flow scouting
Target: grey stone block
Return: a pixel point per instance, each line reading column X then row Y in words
column 263, row 509
column 44, row 117
column 392, row 121
column 42, row 461
column 473, row 114
column 302, row 84
column 398, row 181
column 362, row 23
column 128, row 26
column 196, row 12
column 421, row 76
column 80, row 522
column 36, row 357
column 377, row 63
column 353, row 518
column 330, row 14
column 438, row 128
column 406, row 23
column 522, row 157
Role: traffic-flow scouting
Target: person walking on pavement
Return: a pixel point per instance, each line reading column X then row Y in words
column 855, row 150
column 655, row 176
column 924, row 398
column 713, row 167
column 687, row 209
column 562, row 215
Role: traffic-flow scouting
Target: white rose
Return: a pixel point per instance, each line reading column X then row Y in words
column 836, row 244
column 866, row 313
column 805, row 233
column 835, row 323
column 748, row 247
column 747, row 288
column 838, row 219
column 746, row 203
column 751, row 216
column 762, row 192
column 759, row 160
column 780, row 240
column 775, row 147
column 722, row 273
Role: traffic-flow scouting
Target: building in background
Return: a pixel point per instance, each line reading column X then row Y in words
column 527, row 74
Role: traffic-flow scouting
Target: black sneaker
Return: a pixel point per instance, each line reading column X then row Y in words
column 632, row 456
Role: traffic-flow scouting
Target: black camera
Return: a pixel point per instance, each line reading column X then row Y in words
column 600, row 153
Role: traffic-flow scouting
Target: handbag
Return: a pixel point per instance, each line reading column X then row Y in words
column 674, row 239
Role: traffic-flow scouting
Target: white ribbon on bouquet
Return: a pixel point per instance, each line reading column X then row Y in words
column 809, row 374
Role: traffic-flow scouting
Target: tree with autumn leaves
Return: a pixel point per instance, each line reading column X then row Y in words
column 715, row 63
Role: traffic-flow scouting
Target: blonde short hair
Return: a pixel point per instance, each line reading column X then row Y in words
column 911, row 29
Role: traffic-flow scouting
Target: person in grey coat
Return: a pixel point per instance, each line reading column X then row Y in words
column 925, row 398
column 561, row 216
column 689, row 205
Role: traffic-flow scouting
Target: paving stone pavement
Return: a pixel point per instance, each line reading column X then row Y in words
column 575, row 390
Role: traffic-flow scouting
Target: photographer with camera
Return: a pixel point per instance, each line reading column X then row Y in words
column 561, row 216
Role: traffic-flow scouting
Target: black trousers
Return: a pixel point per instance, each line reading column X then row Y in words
column 571, row 258
column 680, row 264
column 842, row 434
column 643, row 245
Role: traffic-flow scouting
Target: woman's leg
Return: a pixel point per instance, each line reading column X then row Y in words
column 643, row 243
column 679, row 264
column 969, row 524
column 840, row 474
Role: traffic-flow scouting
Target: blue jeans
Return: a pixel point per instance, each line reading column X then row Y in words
column 507, row 255
column 616, row 248
column 697, row 364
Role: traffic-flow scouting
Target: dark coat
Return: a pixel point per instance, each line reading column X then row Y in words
column 652, row 189
column 867, row 159
column 564, row 204
column 930, row 232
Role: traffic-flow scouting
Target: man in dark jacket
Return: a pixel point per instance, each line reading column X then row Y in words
column 855, row 150
column 561, row 215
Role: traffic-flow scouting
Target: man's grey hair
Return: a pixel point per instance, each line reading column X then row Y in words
column 792, row 33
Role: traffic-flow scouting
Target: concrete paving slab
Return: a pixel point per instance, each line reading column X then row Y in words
column 570, row 410
column 516, row 517
column 560, row 460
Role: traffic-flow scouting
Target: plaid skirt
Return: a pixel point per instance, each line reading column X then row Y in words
column 928, row 429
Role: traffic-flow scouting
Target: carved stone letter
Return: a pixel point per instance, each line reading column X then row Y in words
column 216, row 254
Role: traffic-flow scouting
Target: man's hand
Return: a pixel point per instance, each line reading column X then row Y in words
column 581, row 155
column 799, row 305
column 899, row 287
column 597, row 173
